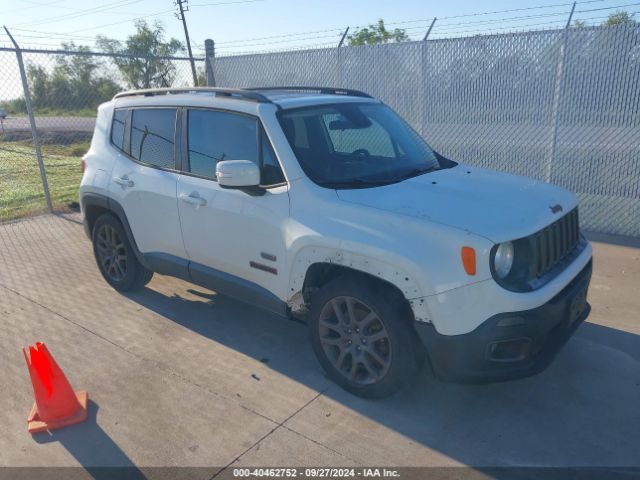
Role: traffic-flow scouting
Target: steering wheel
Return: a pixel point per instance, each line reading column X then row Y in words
column 361, row 154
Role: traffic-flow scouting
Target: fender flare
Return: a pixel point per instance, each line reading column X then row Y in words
column 113, row 207
column 378, row 268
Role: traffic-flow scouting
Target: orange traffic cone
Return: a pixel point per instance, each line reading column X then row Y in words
column 57, row 405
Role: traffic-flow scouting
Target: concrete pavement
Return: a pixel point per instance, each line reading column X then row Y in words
column 179, row 376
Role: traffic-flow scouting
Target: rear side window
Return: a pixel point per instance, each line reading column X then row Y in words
column 152, row 136
column 216, row 136
column 117, row 127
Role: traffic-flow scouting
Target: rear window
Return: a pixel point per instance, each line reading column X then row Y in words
column 152, row 136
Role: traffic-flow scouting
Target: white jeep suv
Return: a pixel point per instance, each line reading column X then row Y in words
column 323, row 203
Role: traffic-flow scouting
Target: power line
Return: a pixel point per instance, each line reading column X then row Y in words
column 37, row 4
column 157, row 14
column 82, row 13
column 224, row 3
column 164, row 12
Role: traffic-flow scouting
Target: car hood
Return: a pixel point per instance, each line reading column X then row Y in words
column 497, row 206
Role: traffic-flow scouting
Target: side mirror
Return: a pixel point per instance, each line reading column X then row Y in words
column 237, row 173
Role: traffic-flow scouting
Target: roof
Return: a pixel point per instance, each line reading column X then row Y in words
column 283, row 97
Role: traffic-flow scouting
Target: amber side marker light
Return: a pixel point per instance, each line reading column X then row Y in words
column 468, row 256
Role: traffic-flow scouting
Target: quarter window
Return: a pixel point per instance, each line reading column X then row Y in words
column 271, row 171
column 118, row 126
column 152, row 136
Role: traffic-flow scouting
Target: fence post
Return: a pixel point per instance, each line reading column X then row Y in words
column 344, row 35
column 556, row 96
column 210, row 56
column 32, row 122
column 340, row 79
column 423, row 79
column 426, row 35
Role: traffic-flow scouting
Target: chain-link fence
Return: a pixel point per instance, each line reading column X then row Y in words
column 64, row 89
column 561, row 106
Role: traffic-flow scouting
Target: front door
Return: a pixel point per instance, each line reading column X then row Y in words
column 236, row 234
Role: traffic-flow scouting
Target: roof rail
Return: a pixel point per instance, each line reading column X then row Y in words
column 323, row 90
column 220, row 92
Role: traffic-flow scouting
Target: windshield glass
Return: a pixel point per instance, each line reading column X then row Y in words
column 350, row 145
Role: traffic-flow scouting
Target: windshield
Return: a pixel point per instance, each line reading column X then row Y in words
column 351, row 145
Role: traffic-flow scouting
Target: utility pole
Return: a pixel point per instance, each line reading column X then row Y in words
column 181, row 4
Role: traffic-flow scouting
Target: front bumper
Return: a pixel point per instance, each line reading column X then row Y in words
column 510, row 345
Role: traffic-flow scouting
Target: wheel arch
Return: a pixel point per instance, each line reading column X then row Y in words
column 314, row 266
column 93, row 205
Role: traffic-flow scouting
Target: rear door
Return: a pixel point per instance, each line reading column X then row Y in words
column 144, row 178
column 234, row 231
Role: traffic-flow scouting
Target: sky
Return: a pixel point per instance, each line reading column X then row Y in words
column 239, row 26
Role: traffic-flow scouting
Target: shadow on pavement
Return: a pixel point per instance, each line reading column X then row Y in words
column 580, row 412
column 92, row 447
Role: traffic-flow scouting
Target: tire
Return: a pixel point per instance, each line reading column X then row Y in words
column 115, row 256
column 383, row 354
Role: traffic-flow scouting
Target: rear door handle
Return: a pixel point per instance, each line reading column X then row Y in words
column 124, row 181
column 193, row 199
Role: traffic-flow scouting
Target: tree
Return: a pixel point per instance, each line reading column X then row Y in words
column 375, row 34
column 143, row 68
column 74, row 83
column 618, row 18
column 201, row 75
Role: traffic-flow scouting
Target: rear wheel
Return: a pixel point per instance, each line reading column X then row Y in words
column 361, row 338
column 115, row 257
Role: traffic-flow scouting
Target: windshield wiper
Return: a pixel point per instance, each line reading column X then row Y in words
column 415, row 172
column 356, row 183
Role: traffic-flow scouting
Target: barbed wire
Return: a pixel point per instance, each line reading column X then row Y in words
column 310, row 39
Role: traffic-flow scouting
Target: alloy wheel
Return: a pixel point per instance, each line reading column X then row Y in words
column 112, row 254
column 355, row 340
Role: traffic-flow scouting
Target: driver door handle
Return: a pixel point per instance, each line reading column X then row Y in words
column 193, row 199
column 124, row 181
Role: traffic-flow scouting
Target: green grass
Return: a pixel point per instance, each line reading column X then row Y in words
column 21, row 191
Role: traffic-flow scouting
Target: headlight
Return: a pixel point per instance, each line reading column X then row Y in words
column 503, row 259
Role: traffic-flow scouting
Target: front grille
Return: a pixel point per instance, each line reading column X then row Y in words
column 553, row 243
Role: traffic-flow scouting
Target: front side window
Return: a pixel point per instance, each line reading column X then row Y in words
column 152, row 136
column 215, row 136
column 353, row 145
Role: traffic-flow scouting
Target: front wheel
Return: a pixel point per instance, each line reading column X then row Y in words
column 361, row 338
